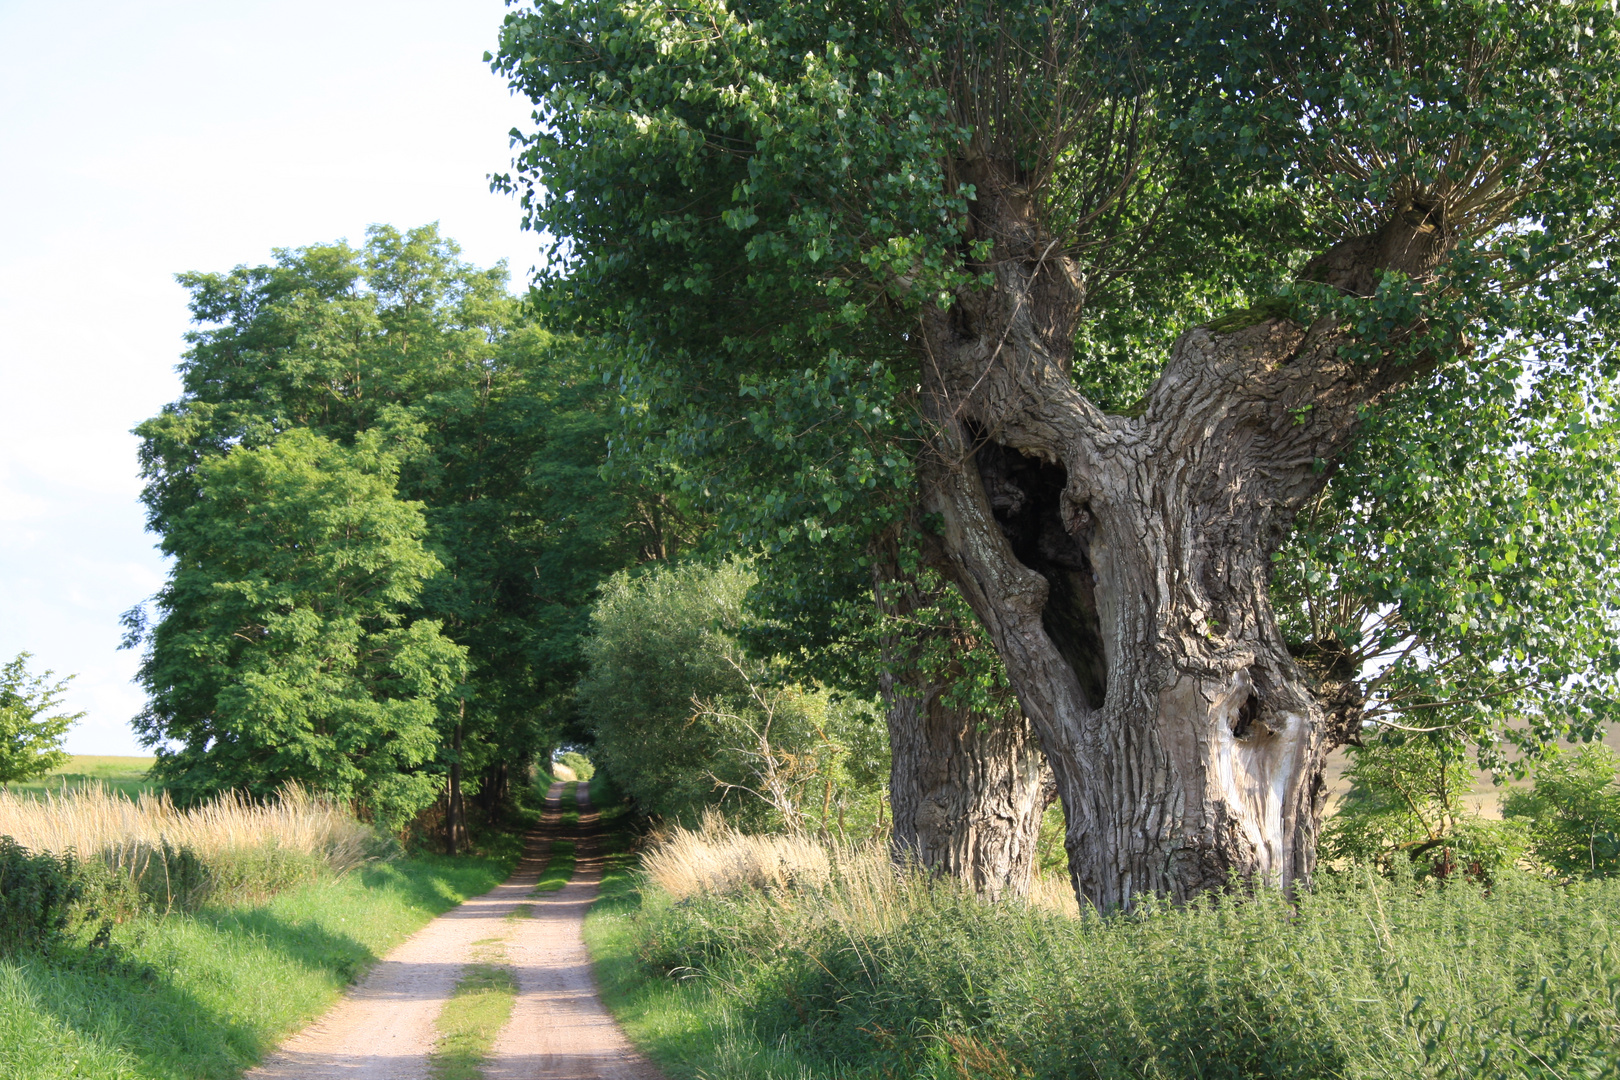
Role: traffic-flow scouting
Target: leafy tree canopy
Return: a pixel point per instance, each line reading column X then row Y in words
column 285, row 651
column 756, row 200
column 484, row 426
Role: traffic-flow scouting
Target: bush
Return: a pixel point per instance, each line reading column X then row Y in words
column 682, row 719
column 44, row 897
column 1405, row 806
column 1574, row 813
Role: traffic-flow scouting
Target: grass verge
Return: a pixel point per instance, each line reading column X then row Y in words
column 853, row 971
column 206, row 995
column 689, row 1032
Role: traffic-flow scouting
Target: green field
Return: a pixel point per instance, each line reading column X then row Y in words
column 122, row 774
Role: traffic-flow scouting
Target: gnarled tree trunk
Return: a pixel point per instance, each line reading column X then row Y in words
column 968, row 788
column 1121, row 563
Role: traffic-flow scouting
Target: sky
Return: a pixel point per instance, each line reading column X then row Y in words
column 139, row 140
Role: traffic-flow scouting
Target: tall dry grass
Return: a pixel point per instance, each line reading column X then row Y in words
column 720, row 860
column 174, row 855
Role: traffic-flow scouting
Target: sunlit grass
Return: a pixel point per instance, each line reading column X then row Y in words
column 124, row 775
column 560, row 862
column 207, row 995
column 474, row 1015
column 766, row 961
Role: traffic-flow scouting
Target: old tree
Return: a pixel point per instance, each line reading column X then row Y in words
column 918, row 278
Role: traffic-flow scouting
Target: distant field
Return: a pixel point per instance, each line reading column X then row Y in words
column 122, row 774
column 1485, row 798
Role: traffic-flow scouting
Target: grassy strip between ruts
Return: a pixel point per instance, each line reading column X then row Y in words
column 560, row 866
column 474, row 1015
column 207, row 995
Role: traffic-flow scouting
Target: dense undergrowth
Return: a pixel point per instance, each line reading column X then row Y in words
column 858, row 973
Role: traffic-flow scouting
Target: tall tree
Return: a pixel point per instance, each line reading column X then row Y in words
column 856, row 245
column 496, row 430
column 285, row 650
column 968, row 781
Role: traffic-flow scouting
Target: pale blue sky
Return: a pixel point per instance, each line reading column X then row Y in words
column 142, row 139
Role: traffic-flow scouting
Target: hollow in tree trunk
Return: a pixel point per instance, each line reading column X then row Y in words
column 1120, row 564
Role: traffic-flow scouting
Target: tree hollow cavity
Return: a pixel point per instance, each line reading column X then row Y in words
column 1026, row 496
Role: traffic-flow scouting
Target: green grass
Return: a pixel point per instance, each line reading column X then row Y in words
column 207, row 995
column 474, row 1015
column 125, row 775
column 1367, row 978
column 680, row 1023
column 559, row 867
column 560, row 862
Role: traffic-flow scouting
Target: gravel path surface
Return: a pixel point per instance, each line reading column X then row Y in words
column 384, row 1028
column 560, row 1030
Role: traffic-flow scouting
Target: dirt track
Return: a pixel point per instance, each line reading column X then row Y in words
column 384, row 1028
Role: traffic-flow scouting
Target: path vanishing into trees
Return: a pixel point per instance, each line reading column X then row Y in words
column 385, row 1028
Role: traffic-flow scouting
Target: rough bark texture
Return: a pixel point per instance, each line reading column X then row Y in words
column 968, row 788
column 455, row 810
column 1121, row 563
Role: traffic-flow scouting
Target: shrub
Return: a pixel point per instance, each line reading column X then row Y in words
column 1405, row 805
column 45, row 896
column 1574, row 813
column 682, row 719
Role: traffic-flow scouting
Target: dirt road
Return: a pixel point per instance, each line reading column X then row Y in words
column 559, row 1030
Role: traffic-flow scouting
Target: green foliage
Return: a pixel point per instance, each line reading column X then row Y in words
column 578, row 762
column 401, row 363
column 286, row 651
column 755, row 199
column 1405, row 812
column 1465, row 552
column 45, row 898
column 660, row 640
column 30, row 740
column 682, row 718
column 1363, row 978
column 1574, row 813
